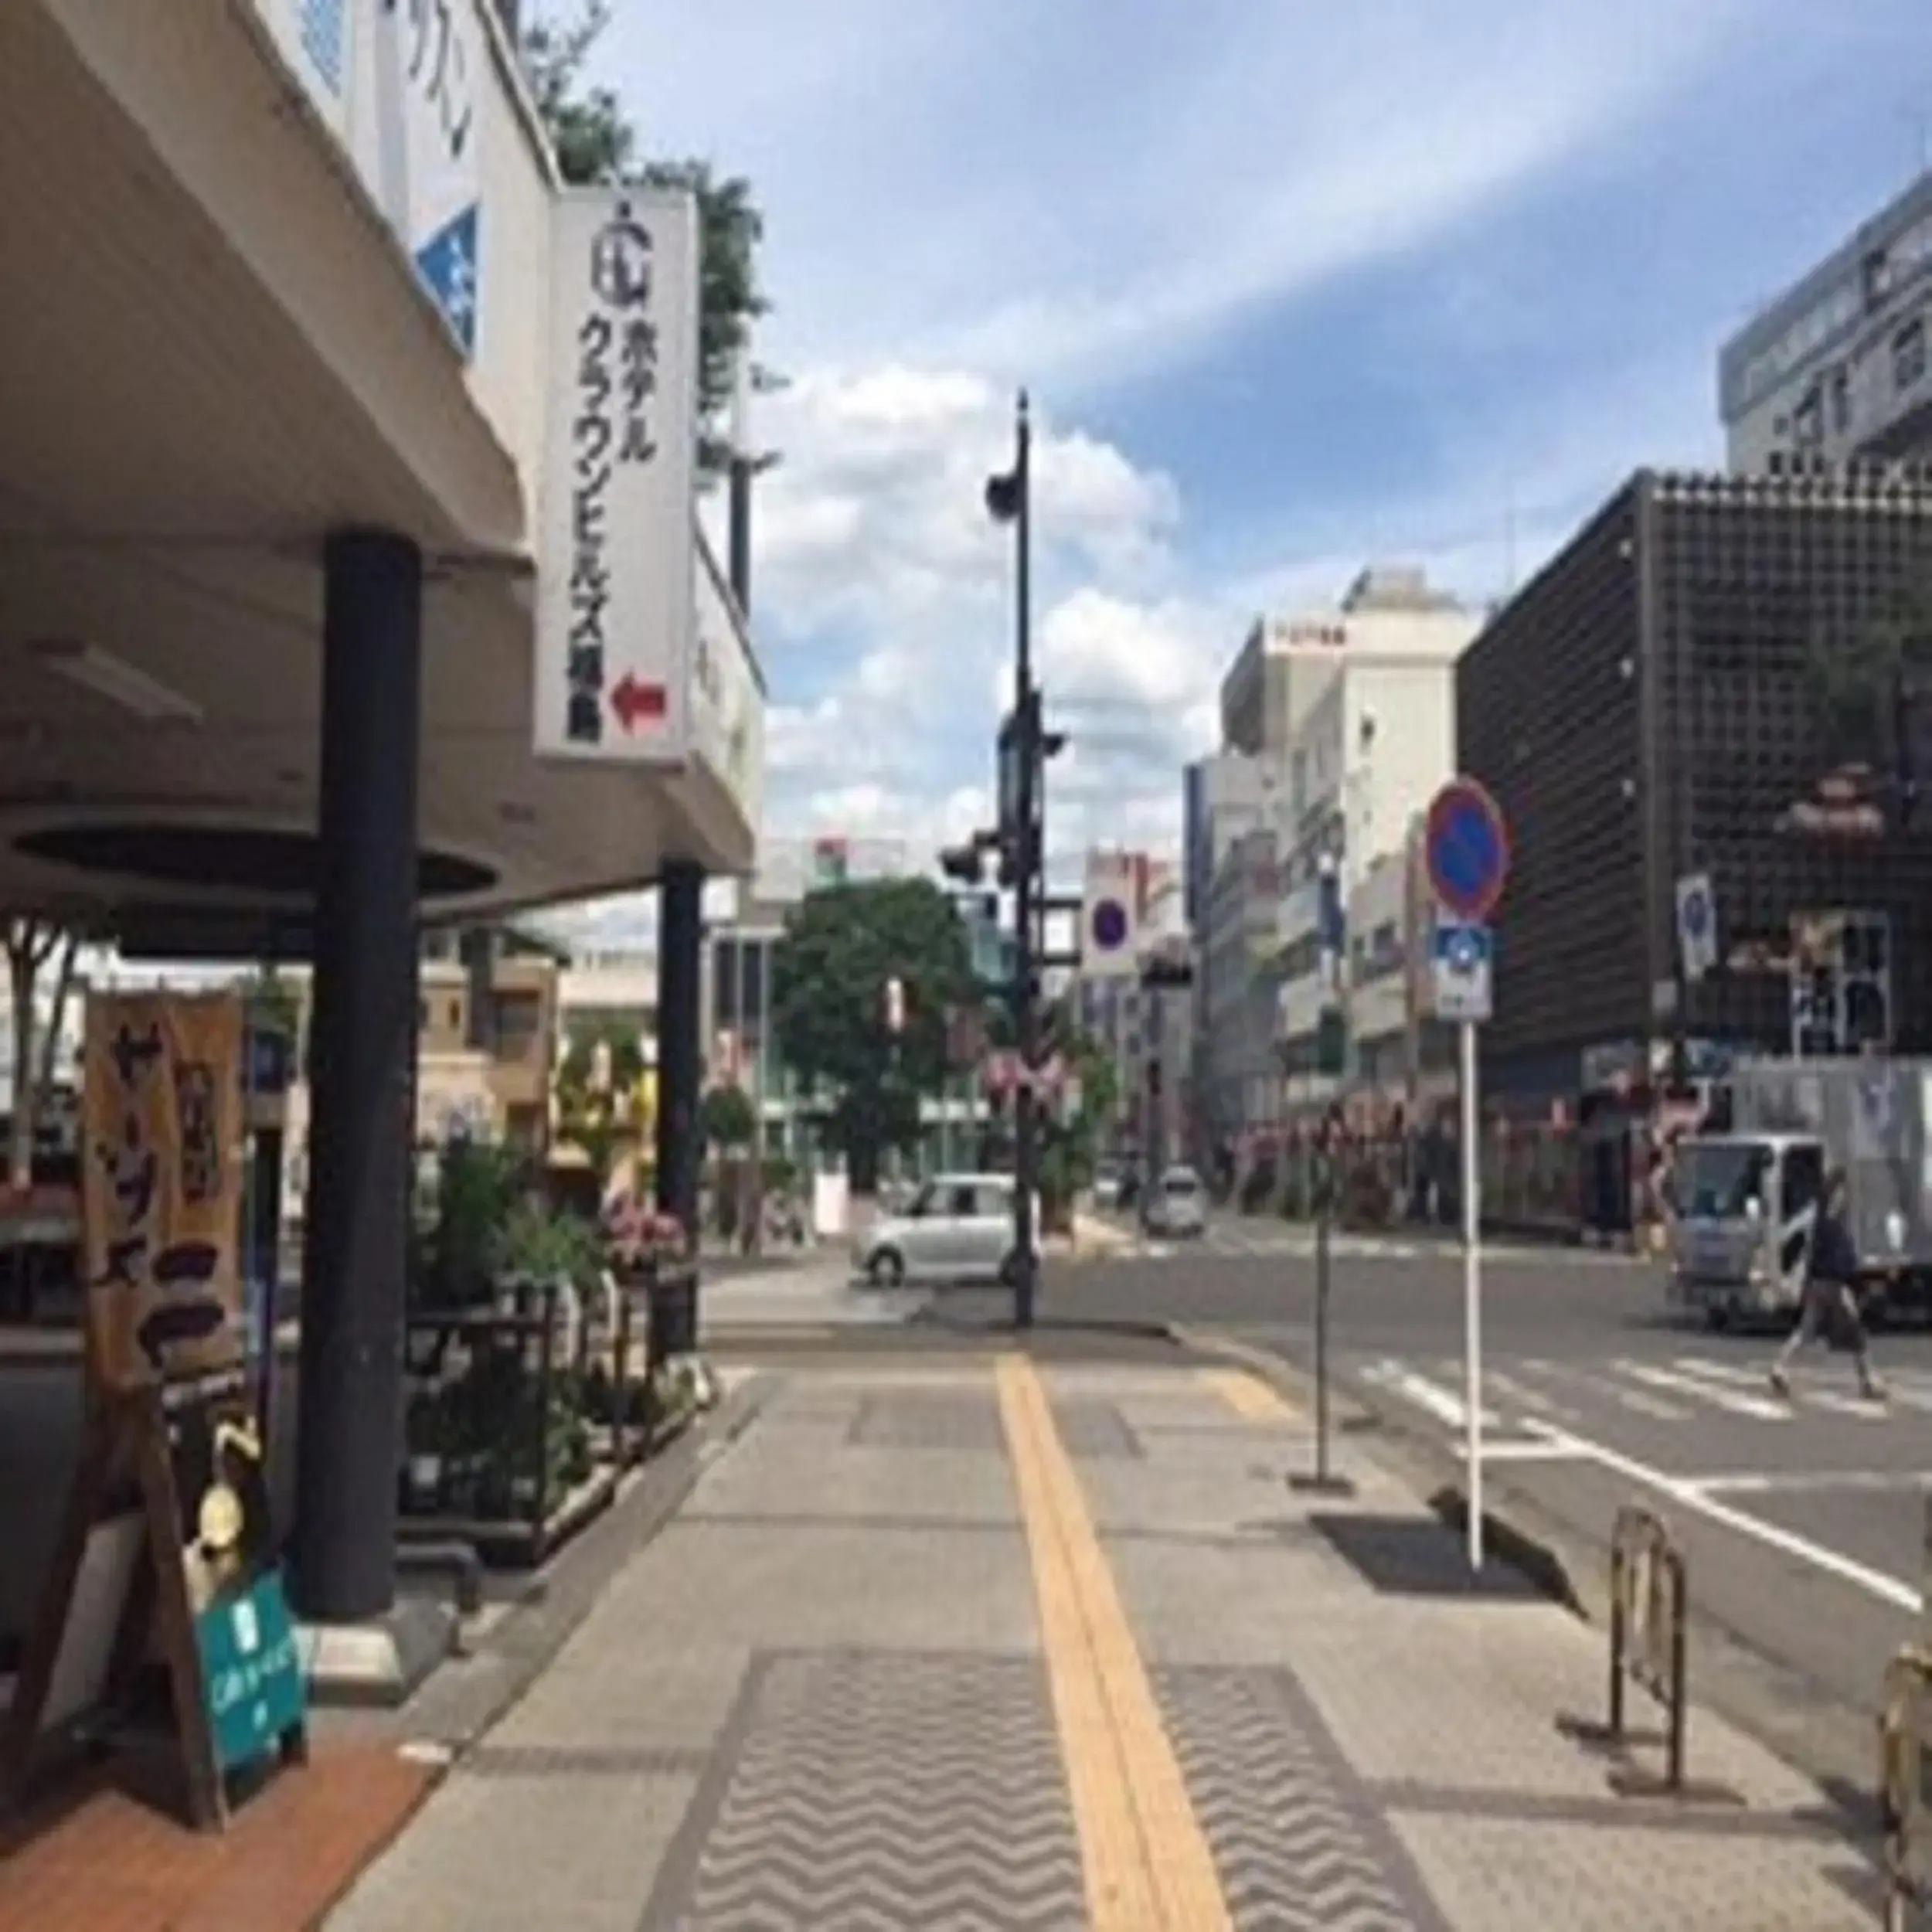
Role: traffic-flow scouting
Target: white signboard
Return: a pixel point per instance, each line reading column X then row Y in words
column 1110, row 915
column 615, row 607
column 1462, row 954
column 422, row 130
column 1696, row 926
column 399, row 84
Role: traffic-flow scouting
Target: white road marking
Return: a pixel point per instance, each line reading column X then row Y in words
column 1810, row 1481
column 1761, row 1408
column 1913, row 1393
column 1686, row 1492
column 1803, row 1393
column 1533, row 1398
column 1439, row 1402
column 1635, row 1399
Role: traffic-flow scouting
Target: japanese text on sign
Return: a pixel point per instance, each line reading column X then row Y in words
column 161, row 1120
column 616, row 379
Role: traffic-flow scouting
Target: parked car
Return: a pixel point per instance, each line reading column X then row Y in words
column 1178, row 1206
column 957, row 1227
column 1108, row 1185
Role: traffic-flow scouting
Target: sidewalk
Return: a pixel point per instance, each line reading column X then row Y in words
column 981, row 1643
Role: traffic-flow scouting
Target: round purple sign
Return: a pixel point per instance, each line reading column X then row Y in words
column 1110, row 925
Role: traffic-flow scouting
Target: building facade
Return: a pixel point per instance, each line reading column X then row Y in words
column 1371, row 752
column 1837, row 367
column 1656, row 704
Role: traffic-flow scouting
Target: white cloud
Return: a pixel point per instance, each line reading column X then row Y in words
column 942, row 218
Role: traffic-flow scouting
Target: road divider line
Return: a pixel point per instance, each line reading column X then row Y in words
column 1146, row 1861
column 1689, row 1494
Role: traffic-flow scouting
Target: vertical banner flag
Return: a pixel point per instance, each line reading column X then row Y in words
column 615, row 593
column 161, row 1188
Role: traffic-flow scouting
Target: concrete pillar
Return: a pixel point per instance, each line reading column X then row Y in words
column 363, row 1031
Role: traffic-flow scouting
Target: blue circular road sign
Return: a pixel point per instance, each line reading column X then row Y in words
column 1110, row 925
column 1467, row 848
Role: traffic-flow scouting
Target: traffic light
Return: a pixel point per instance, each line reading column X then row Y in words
column 961, row 864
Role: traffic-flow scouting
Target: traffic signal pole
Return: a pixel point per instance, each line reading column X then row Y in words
column 1026, row 886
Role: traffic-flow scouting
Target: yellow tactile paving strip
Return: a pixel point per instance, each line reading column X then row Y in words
column 1248, row 1395
column 1147, row 1862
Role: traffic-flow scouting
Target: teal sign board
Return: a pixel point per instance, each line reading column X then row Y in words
column 251, row 1671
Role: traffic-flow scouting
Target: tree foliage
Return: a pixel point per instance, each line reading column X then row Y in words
column 841, row 945
column 596, row 143
column 728, row 1119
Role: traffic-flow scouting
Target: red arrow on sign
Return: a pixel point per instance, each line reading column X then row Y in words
column 631, row 701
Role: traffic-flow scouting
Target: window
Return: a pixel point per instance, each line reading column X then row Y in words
column 1878, row 277
column 1908, row 354
column 519, row 1018
column 1840, row 399
column 962, row 1203
column 1807, row 419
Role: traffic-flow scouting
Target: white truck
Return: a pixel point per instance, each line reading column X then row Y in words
column 1746, row 1197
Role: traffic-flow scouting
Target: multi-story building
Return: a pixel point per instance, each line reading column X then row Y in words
column 1370, row 751
column 1237, row 1082
column 1221, row 798
column 1657, row 703
column 487, row 1036
column 1838, row 367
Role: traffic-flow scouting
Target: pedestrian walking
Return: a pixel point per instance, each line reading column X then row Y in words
column 1828, row 1276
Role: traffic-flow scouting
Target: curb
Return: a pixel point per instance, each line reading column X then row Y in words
column 1731, row 1678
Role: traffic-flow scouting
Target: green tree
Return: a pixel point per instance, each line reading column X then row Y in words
column 842, row 945
column 729, row 1122
column 596, row 143
column 596, row 1084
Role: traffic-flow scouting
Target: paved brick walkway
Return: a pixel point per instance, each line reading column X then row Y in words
column 107, row 1859
column 981, row 1646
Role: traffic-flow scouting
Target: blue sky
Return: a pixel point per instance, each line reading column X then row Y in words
column 1295, row 285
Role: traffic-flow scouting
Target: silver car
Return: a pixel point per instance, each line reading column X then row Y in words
column 957, row 1227
column 1178, row 1206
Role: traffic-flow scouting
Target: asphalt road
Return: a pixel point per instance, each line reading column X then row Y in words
column 1802, row 1521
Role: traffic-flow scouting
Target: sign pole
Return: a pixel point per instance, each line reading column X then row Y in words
column 1324, row 1482
column 1472, row 1290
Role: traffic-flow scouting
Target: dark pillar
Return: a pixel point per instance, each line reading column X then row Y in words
column 680, row 1047
column 363, row 1025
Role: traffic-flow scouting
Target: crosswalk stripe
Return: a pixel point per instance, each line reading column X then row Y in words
column 1636, row 1400
column 1829, row 1399
column 1444, row 1404
column 1530, row 1398
column 1760, row 1408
